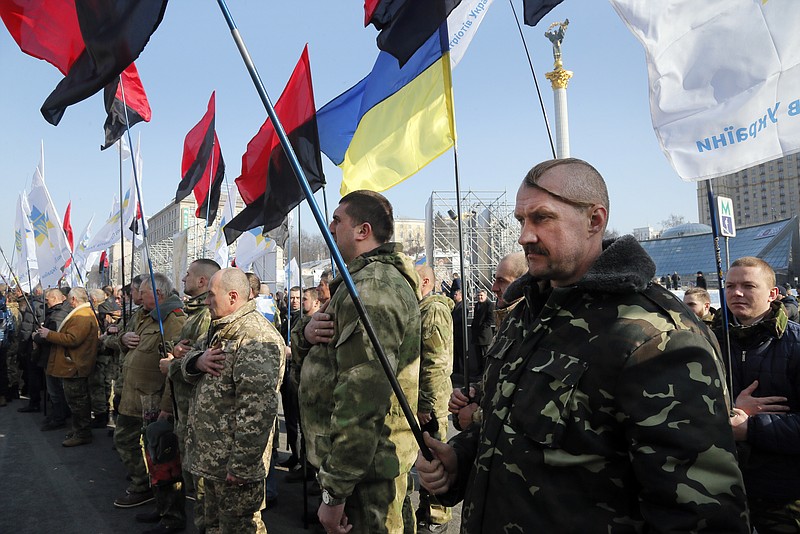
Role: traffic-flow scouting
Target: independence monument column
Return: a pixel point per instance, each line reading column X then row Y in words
column 559, row 78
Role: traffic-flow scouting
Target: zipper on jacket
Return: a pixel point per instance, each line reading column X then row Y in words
column 744, row 353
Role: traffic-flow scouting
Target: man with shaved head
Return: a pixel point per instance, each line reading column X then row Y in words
column 237, row 375
column 604, row 407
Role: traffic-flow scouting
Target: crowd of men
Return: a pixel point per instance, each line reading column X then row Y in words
column 591, row 400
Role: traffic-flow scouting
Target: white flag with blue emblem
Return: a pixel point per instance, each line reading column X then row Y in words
column 25, row 265
column 84, row 260
column 52, row 250
column 724, row 79
column 250, row 246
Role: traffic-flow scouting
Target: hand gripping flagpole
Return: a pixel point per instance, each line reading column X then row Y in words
column 337, row 257
column 712, row 209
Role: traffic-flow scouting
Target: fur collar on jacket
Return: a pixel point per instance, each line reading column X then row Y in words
column 622, row 267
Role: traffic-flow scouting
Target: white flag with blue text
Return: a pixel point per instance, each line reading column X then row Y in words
column 52, row 250
column 724, row 80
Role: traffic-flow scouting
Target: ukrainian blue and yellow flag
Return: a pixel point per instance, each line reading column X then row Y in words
column 393, row 122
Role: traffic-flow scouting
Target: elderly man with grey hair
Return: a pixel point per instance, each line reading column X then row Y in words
column 74, row 346
column 142, row 377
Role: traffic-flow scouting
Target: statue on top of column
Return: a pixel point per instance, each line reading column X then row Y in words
column 556, row 33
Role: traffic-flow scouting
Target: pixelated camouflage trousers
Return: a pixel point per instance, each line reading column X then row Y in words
column 100, row 382
column 14, row 372
column 128, row 442
column 768, row 517
column 76, row 391
column 233, row 509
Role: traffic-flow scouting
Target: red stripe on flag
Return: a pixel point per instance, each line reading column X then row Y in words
column 294, row 108
column 45, row 29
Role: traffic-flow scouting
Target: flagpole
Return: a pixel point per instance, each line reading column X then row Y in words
column 325, row 202
column 535, row 81
column 712, row 209
column 16, row 279
column 145, row 240
column 122, row 231
column 347, row 279
column 208, row 195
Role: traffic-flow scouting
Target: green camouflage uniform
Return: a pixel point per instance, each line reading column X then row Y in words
column 355, row 431
column 604, row 411
column 198, row 319
column 231, row 418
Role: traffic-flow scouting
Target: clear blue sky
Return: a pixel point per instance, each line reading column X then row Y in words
column 499, row 123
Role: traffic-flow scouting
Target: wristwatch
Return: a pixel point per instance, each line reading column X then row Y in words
column 329, row 499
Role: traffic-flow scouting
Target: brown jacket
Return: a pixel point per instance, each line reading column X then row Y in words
column 74, row 344
column 141, row 375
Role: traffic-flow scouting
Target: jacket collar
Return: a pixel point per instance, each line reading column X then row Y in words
column 622, row 267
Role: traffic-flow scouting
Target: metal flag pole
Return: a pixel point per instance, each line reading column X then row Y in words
column 712, row 208
column 339, row 261
column 122, row 232
column 535, row 81
column 16, row 279
column 145, row 240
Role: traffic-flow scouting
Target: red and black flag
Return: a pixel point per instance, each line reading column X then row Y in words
column 202, row 168
column 68, row 232
column 380, row 12
column 268, row 185
column 405, row 26
column 90, row 41
column 126, row 91
column 536, row 9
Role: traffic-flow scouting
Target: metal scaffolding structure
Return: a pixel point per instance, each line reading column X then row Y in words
column 489, row 233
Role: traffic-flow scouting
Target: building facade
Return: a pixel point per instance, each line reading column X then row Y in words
column 763, row 193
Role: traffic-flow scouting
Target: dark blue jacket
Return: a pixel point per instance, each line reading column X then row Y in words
column 770, row 459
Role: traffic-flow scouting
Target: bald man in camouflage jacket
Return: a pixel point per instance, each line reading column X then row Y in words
column 232, row 416
column 604, row 405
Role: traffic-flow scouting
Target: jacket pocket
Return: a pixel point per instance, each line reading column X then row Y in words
column 543, row 398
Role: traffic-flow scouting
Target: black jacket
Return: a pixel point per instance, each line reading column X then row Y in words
column 31, row 319
column 769, row 351
column 52, row 319
column 482, row 322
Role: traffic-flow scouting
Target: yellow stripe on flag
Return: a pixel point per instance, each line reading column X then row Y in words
column 402, row 134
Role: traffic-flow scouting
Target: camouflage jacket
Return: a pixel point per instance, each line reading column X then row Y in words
column 354, row 427
column 140, row 371
column 603, row 411
column 229, row 428
column 436, row 356
column 297, row 355
column 198, row 319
